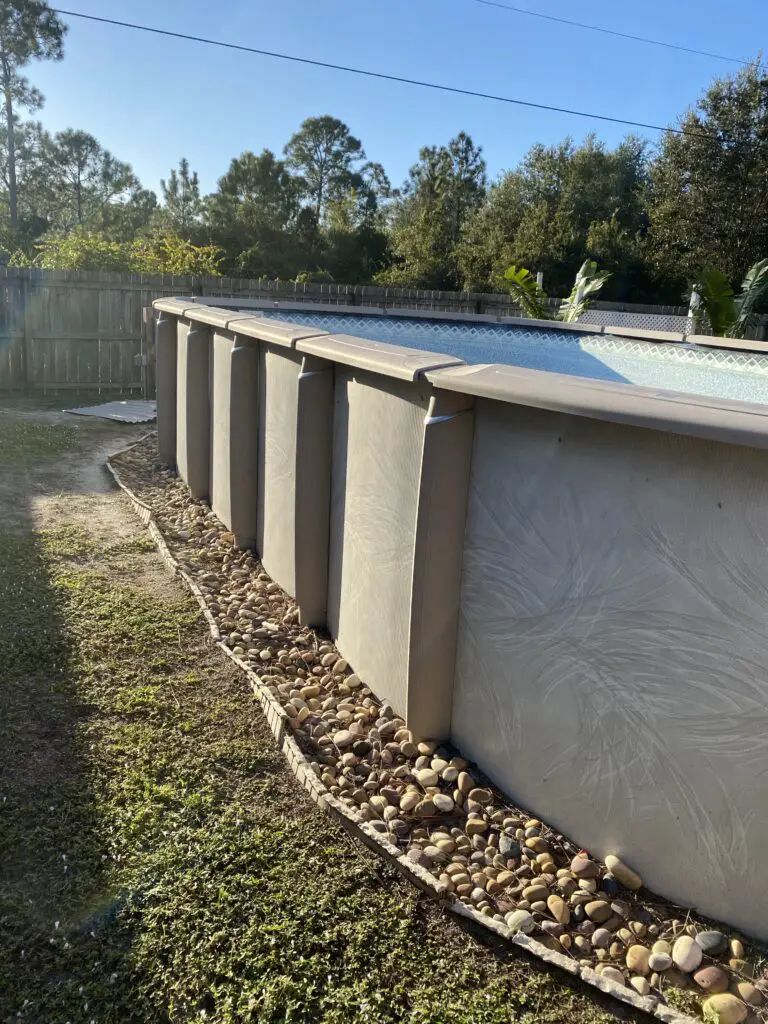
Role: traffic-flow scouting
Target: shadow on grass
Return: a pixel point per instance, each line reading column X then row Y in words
column 62, row 945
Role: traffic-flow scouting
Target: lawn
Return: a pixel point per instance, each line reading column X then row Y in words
column 158, row 862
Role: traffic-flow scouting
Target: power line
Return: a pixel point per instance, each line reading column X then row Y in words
column 380, row 75
column 613, row 32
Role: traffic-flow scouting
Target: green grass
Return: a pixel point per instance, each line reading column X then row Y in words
column 159, row 863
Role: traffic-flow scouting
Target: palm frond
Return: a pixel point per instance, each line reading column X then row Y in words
column 589, row 280
column 753, row 288
column 525, row 288
column 717, row 299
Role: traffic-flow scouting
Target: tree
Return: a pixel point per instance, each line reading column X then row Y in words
column 128, row 216
column 255, row 216
column 29, row 30
column 326, row 155
column 181, row 195
column 708, row 200
column 88, row 177
column 31, row 161
column 444, row 189
column 549, row 210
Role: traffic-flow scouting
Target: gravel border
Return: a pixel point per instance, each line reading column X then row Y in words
column 278, row 722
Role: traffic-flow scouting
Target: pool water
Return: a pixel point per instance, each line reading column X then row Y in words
column 742, row 376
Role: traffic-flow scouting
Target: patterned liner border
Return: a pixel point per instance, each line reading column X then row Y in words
column 278, row 721
column 595, row 344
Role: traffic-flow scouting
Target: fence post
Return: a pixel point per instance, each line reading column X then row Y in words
column 25, row 292
column 147, row 366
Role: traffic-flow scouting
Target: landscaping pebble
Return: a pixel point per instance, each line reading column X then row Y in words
column 659, row 962
column 626, row 876
column 425, row 800
column 712, row 979
column 725, row 1009
column 520, row 921
column 686, row 954
column 712, row 943
column 638, row 959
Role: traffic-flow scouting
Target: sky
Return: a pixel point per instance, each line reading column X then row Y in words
column 151, row 100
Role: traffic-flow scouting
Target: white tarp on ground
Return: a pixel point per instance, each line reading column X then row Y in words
column 125, row 412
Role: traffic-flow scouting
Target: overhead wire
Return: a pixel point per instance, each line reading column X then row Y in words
column 381, row 75
column 614, row 32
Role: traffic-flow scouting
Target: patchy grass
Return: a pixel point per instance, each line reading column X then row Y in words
column 158, row 862
column 133, row 546
column 65, row 542
column 25, row 441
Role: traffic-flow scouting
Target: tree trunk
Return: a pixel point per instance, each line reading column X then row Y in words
column 12, row 196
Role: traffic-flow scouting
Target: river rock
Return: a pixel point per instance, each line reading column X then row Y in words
column 344, row 738
column 638, row 959
column 725, row 1008
column 598, row 911
column 552, row 928
column 465, row 782
column 475, row 826
column 624, row 874
column 427, row 777
column 686, row 954
column 712, row 979
column 613, row 974
column 743, row 967
column 640, row 985
column 443, row 803
column 509, row 848
column 558, row 908
column 712, row 943
column 748, row 992
column 409, row 800
column 659, row 962
column 535, row 893
column 601, row 937
column 520, row 921
column 480, row 796
column 417, row 856
column 583, row 867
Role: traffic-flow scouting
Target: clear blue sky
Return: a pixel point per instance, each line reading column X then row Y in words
column 152, row 100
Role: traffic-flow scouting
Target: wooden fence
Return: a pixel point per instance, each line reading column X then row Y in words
column 84, row 330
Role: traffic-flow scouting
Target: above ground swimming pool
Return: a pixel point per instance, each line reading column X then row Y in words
column 673, row 367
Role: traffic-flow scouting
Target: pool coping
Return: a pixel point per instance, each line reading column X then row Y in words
column 715, row 419
column 615, row 330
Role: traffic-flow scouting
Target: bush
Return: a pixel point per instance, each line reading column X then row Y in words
column 154, row 254
column 314, row 277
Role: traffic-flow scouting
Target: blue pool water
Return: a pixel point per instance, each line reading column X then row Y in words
column 674, row 367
